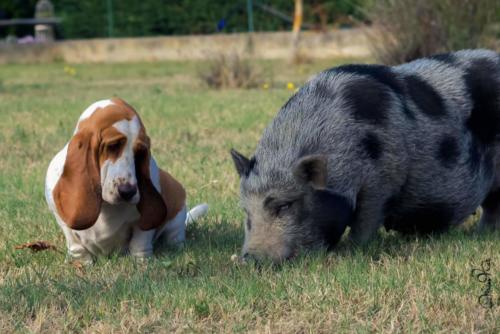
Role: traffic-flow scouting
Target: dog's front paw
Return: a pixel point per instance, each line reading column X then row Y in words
column 80, row 255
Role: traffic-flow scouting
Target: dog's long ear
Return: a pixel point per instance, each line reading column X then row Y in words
column 151, row 205
column 77, row 194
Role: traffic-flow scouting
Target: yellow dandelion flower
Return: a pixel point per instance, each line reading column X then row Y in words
column 290, row 86
column 265, row 86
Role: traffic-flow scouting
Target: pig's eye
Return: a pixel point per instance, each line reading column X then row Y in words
column 283, row 208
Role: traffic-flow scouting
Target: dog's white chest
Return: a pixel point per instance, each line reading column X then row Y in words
column 111, row 232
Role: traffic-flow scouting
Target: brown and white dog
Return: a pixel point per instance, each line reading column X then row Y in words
column 106, row 191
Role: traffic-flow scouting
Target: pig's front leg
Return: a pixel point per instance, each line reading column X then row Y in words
column 369, row 218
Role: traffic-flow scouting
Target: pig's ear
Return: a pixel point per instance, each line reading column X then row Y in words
column 312, row 170
column 243, row 165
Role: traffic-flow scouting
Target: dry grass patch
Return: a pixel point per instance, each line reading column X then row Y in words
column 230, row 71
column 405, row 30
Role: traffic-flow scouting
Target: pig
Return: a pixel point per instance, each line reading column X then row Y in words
column 412, row 147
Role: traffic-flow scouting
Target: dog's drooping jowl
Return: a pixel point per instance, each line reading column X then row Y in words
column 411, row 147
column 107, row 192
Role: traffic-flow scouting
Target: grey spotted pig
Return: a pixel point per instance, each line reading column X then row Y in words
column 412, row 147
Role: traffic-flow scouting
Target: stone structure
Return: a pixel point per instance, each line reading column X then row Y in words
column 44, row 32
column 266, row 45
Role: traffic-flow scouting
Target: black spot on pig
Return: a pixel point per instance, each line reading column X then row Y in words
column 492, row 201
column 426, row 98
column 369, row 99
column 432, row 217
column 380, row 73
column 481, row 79
column 331, row 215
column 372, row 146
column 446, row 58
column 384, row 75
column 448, row 152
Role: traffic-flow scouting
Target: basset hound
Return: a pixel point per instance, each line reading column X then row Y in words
column 107, row 192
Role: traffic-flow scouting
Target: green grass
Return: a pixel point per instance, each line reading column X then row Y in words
column 396, row 284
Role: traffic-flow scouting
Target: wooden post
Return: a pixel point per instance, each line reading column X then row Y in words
column 297, row 24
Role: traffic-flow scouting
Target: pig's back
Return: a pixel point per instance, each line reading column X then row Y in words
column 421, row 130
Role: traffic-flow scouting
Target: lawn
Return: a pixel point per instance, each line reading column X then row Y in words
column 395, row 284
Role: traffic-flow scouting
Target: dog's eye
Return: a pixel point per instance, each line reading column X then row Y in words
column 114, row 147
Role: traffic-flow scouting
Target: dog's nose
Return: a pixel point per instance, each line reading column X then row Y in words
column 127, row 191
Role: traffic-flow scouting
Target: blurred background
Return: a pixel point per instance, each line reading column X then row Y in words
column 388, row 31
column 129, row 18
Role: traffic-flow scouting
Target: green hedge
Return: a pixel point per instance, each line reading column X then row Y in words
column 16, row 9
column 89, row 18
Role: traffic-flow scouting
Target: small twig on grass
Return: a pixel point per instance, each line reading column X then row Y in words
column 38, row 246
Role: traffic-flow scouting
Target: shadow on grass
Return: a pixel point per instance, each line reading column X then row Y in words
column 400, row 245
column 208, row 237
column 225, row 238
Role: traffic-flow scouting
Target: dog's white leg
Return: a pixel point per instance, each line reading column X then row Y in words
column 76, row 251
column 141, row 243
column 174, row 231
